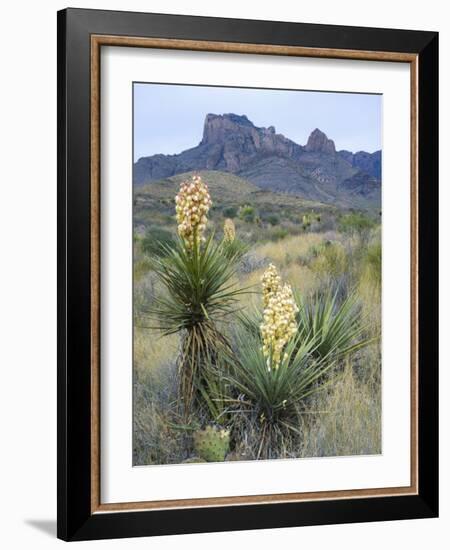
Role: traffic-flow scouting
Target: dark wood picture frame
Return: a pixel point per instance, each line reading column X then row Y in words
column 81, row 34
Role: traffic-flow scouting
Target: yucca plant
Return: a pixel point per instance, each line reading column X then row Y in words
column 274, row 370
column 337, row 328
column 199, row 290
column 272, row 398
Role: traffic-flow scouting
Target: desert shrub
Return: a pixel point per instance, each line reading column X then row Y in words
column 273, row 219
column 355, row 222
column 156, row 241
column 278, row 234
column 247, row 213
column 230, row 212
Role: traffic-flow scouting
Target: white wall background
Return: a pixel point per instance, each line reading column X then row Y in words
column 28, row 272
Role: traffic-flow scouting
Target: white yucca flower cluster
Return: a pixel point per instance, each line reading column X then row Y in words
column 192, row 206
column 279, row 323
column 271, row 283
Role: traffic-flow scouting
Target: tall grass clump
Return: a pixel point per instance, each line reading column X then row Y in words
column 329, row 260
column 373, row 262
column 348, row 418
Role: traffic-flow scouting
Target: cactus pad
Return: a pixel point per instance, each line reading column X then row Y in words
column 212, row 444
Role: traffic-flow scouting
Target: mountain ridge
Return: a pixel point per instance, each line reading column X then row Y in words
column 315, row 171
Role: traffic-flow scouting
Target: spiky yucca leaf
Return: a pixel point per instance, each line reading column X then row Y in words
column 198, row 284
column 337, row 328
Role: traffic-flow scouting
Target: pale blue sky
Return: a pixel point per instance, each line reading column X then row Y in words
column 169, row 118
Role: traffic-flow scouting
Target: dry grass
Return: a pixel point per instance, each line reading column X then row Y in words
column 291, row 248
column 152, row 351
column 348, row 421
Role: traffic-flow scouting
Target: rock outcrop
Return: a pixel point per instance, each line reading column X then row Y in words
column 318, row 142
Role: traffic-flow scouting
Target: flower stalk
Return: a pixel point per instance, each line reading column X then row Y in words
column 229, row 231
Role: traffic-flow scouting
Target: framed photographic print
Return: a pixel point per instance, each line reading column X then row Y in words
column 247, row 252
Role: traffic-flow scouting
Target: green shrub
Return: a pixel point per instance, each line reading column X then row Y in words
column 247, row 213
column 278, row 234
column 157, row 241
column 230, row 212
column 273, row 219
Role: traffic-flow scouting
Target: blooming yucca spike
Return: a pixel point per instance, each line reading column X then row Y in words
column 229, row 230
column 279, row 317
column 192, row 206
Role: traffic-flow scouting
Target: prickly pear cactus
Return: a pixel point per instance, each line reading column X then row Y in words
column 212, row 444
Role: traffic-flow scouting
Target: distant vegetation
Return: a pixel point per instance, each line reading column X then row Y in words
column 257, row 324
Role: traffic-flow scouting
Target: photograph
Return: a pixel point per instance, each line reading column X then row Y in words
column 257, row 274
column 247, row 258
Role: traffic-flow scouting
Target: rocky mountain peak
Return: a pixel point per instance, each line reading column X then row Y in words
column 218, row 127
column 318, row 142
column 233, row 141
